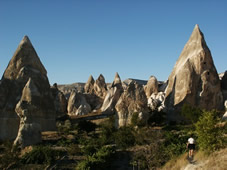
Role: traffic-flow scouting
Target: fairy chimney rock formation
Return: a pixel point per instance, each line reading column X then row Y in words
column 77, row 104
column 112, row 96
column 151, row 86
column 60, row 102
column 24, row 64
column 89, row 86
column 100, row 86
column 117, row 80
column 194, row 79
column 28, row 109
column 133, row 100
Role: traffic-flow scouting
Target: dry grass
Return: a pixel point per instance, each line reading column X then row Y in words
column 217, row 161
column 177, row 163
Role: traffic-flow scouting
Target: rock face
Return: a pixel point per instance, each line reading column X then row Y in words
column 24, row 64
column 100, row 87
column 28, row 109
column 156, row 102
column 89, row 86
column 133, row 100
column 77, row 104
column 194, row 79
column 225, row 115
column 151, row 87
column 224, row 81
column 112, row 96
column 60, row 102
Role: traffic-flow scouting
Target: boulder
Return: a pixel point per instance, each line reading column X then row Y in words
column 133, row 100
column 151, row 86
column 194, row 79
column 60, row 102
column 112, row 96
column 77, row 104
column 24, row 64
column 100, row 86
column 89, row 86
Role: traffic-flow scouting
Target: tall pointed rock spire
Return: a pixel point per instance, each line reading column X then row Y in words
column 194, row 79
column 24, row 56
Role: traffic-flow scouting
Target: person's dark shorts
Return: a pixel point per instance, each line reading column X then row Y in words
column 191, row 146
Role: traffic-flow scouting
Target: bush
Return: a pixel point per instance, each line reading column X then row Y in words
column 124, row 137
column 90, row 146
column 86, row 126
column 8, row 158
column 210, row 136
column 99, row 160
column 175, row 143
column 191, row 113
column 107, row 131
column 40, row 155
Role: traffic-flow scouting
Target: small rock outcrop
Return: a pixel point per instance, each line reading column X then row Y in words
column 100, row 87
column 156, row 102
column 60, row 102
column 77, row 104
column 89, row 86
column 194, row 79
column 151, row 86
column 24, row 64
column 112, row 96
column 133, row 100
column 28, row 109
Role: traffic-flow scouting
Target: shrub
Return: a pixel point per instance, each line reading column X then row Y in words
column 191, row 113
column 107, row 131
column 124, row 137
column 90, row 146
column 40, row 155
column 99, row 160
column 86, row 126
column 209, row 134
column 8, row 158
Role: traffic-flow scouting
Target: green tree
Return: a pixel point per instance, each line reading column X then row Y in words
column 210, row 136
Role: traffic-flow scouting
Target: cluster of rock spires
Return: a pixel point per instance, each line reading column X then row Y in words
column 28, row 105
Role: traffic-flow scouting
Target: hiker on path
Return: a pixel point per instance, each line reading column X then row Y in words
column 191, row 146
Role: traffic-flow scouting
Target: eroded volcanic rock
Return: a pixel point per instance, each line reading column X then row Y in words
column 194, row 79
column 112, row 95
column 100, row 86
column 151, row 86
column 89, row 86
column 133, row 100
column 24, row 64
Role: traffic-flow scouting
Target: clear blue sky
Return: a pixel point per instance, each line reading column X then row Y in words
column 136, row 38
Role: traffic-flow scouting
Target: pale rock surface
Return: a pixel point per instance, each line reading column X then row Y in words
column 24, row 64
column 89, row 86
column 133, row 100
column 77, row 104
column 151, row 86
column 32, row 117
column 225, row 115
column 100, row 87
column 113, row 95
column 194, row 79
column 156, row 102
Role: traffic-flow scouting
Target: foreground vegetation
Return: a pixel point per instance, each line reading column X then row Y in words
column 86, row 145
